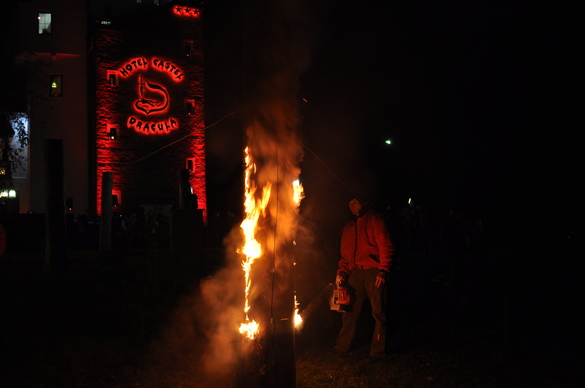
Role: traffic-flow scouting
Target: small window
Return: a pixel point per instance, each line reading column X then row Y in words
column 190, row 164
column 190, row 106
column 113, row 132
column 44, row 23
column 116, row 198
column 188, row 48
column 56, row 85
column 112, row 78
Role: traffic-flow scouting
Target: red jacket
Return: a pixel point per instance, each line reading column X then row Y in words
column 366, row 243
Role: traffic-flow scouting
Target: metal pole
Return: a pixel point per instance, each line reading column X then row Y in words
column 106, row 213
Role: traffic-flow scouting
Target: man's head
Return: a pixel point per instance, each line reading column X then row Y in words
column 355, row 206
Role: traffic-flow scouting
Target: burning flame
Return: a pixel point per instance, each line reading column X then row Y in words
column 298, row 319
column 298, row 193
column 252, row 249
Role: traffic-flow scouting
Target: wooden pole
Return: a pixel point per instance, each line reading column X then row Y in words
column 283, row 369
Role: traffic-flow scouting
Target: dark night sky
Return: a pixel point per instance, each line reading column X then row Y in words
column 478, row 97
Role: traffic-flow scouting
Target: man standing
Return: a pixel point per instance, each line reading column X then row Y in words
column 366, row 257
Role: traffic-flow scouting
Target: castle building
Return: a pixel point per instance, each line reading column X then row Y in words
column 120, row 84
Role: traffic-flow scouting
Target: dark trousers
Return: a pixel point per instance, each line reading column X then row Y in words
column 362, row 284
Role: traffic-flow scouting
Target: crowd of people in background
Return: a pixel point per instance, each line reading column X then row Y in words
column 137, row 228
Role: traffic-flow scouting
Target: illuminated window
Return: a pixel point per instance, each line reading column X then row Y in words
column 8, row 193
column 56, row 85
column 44, row 23
column 112, row 78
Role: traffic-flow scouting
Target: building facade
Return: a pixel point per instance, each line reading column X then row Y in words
column 121, row 83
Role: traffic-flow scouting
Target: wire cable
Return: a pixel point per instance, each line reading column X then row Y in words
column 331, row 172
column 183, row 138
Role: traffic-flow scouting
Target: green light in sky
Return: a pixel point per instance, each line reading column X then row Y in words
column 388, row 141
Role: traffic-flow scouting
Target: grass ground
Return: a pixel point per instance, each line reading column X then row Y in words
column 98, row 326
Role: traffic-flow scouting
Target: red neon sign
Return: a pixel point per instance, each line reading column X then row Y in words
column 143, row 64
column 153, row 99
column 186, row 11
column 161, row 104
column 152, row 128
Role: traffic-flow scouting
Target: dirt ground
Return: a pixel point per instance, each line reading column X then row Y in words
column 124, row 320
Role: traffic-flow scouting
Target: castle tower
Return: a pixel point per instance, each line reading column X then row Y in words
column 148, row 116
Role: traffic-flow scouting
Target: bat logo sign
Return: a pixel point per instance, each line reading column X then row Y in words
column 152, row 98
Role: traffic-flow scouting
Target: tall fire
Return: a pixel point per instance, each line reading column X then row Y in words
column 252, row 249
column 298, row 195
column 255, row 207
column 275, row 56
